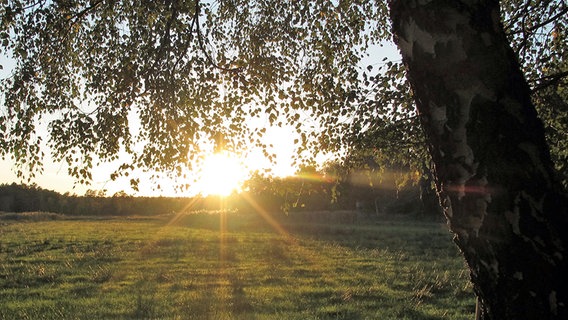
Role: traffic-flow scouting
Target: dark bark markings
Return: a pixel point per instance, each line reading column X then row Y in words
column 493, row 168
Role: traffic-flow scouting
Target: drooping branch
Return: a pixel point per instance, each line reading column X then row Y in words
column 202, row 43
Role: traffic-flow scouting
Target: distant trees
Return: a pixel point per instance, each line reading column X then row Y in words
column 20, row 198
column 344, row 186
column 24, row 198
column 309, row 190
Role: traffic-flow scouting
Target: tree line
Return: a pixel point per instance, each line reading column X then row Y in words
column 367, row 192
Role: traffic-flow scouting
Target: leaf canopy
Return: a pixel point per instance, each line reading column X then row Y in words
column 107, row 76
column 157, row 79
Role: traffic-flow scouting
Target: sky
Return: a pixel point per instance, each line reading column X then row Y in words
column 55, row 177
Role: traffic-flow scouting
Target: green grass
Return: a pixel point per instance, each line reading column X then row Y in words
column 190, row 269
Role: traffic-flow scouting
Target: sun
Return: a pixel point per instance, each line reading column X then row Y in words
column 221, row 174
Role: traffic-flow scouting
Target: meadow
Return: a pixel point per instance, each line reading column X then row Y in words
column 229, row 266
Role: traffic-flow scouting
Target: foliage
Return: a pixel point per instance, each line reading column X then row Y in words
column 308, row 190
column 386, row 127
column 159, row 79
column 156, row 269
column 538, row 34
column 187, row 71
column 23, row 198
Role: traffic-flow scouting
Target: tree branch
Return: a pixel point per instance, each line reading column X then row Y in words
column 560, row 14
column 202, row 45
column 79, row 15
column 40, row 2
column 549, row 80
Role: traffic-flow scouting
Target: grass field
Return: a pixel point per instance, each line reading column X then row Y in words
column 212, row 266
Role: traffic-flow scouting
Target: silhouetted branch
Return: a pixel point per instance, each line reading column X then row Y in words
column 202, row 45
column 550, row 80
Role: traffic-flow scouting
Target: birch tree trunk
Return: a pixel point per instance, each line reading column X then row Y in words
column 493, row 170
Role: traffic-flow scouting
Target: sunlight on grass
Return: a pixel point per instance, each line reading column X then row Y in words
column 155, row 269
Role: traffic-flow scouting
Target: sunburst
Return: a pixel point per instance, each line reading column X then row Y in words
column 221, row 174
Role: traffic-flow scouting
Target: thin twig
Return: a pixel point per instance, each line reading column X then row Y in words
column 202, row 45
